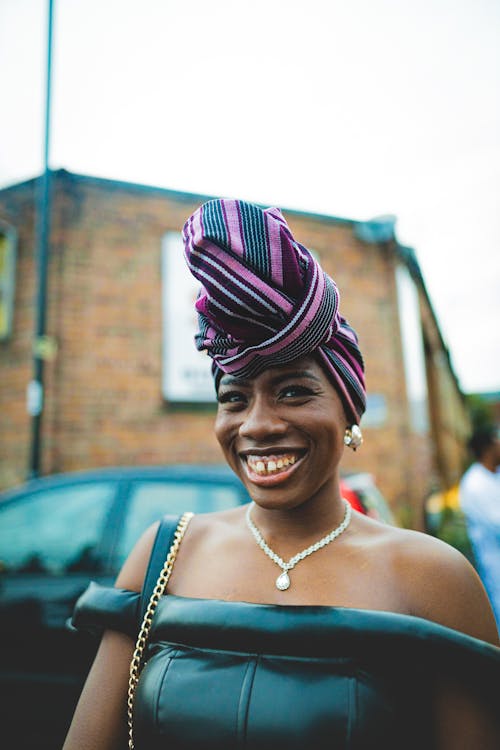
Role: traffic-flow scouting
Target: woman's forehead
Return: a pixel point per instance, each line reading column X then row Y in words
column 305, row 367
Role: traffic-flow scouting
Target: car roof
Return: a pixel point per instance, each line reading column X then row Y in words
column 180, row 472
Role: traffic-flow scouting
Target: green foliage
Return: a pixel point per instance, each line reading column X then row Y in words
column 481, row 412
column 453, row 530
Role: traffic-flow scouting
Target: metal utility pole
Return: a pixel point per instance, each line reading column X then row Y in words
column 35, row 394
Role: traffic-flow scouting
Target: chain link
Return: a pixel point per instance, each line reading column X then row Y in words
column 136, row 664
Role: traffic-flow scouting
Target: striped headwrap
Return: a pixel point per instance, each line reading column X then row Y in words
column 265, row 301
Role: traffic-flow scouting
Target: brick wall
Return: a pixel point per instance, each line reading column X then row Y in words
column 106, row 315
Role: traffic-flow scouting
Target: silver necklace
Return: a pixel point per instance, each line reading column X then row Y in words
column 283, row 580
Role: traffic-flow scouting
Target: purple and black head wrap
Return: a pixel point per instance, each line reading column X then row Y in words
column 265, row 301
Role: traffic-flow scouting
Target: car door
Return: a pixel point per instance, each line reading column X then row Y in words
column 51, row 544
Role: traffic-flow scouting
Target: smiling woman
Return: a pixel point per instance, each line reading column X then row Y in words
column 381, row 637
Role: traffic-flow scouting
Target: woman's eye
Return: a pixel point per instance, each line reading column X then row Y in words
column 231, row 397
column 295, row 391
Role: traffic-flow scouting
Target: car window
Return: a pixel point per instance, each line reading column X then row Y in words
column 55, row 530
column 151, row 500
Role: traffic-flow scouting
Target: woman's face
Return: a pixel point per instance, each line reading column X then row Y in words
column 282, row 433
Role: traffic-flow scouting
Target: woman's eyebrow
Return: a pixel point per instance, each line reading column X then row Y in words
column 294, row 374
column 228, row 380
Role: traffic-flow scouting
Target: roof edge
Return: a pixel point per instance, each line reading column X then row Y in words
column 178, row 195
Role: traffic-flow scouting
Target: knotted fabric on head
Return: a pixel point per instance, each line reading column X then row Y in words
column 265, row 301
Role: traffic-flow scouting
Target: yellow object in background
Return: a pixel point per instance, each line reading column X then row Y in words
column 444, row 519
column 447, row 500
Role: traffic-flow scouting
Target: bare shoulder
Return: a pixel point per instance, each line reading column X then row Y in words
column 440, row 584
column 202, row 528
column 215, row 521
column 132, row 574
column 209, row 532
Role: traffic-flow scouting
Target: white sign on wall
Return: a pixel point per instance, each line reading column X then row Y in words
column 413, row 350
column 186, row 374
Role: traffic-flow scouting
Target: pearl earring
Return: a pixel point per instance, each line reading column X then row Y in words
column 353, row 437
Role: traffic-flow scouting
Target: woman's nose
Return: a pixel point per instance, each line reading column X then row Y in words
column 261, row 420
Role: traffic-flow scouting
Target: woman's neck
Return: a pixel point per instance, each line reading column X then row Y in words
column 310, row 520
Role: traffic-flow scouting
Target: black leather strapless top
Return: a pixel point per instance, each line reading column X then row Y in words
column 228, row 675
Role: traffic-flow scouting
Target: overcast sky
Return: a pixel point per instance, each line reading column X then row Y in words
column 355, row 108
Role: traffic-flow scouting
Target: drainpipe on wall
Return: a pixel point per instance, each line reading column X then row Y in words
column 35, row 393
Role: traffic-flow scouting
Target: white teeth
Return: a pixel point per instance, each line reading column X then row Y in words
column 270, row 466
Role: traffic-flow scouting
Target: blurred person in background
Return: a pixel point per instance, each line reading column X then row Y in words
column 480, row 502
column 294, row 621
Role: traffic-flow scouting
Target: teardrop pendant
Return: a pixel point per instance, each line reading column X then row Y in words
column 283, row 581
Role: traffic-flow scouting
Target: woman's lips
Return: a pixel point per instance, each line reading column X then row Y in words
column 272, row 468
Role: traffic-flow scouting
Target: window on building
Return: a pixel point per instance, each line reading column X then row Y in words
column 8, row 243
column 413, row 350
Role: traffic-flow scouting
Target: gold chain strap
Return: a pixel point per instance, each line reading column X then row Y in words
column 161, row 584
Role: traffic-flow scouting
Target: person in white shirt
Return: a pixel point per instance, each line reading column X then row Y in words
column 480, row 502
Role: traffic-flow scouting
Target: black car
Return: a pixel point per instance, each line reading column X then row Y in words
column 56, row 534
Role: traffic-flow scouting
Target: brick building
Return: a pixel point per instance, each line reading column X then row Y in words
column 104, row 399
